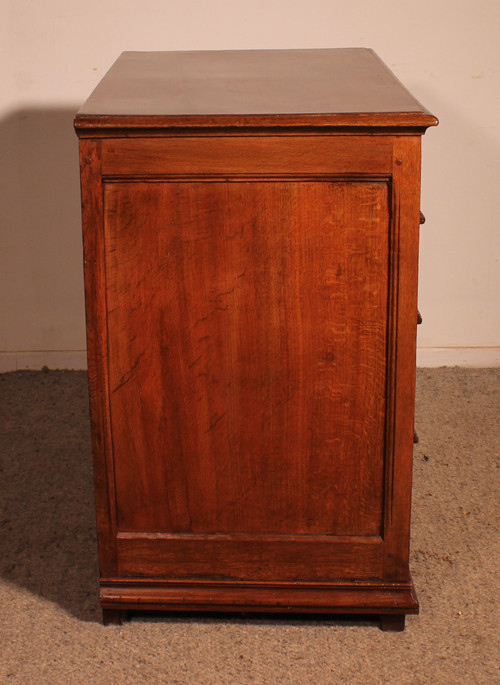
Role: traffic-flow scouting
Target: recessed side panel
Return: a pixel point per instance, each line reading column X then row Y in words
column 247, row 341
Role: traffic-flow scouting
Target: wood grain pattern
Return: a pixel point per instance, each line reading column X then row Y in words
column 244, row 155
column 256, row 558
column 241, row 316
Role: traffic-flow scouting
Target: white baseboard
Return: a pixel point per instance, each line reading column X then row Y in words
column 77, row 359
column 458, row 356
column 53, row 359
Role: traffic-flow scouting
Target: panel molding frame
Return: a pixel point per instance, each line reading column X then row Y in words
column 90, row 151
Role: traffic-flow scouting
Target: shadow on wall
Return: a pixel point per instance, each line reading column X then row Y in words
column 47, row 519
column 41, row 279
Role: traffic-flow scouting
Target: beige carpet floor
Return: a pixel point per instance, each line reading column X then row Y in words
column 50, row 629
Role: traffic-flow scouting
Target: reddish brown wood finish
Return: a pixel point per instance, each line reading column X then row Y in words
column 95, row 289
column 251, row 299
column 337, row 88
column 247, row 156
column 360, row 597
column 240, row 315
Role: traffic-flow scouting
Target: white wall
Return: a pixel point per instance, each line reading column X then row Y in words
column 54, row 52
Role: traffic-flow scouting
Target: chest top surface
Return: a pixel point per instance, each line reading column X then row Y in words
column 322, row 87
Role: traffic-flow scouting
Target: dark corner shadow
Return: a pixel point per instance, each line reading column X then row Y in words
column 259, row 618
column 47, row 520
column 48, row 542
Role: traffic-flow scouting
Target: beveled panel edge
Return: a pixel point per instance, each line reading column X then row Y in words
column 249, row 537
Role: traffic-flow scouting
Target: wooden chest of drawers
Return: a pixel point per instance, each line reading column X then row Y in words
column 251, row 227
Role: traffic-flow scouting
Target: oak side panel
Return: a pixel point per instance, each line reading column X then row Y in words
column 247, row 370
column 96, row 315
